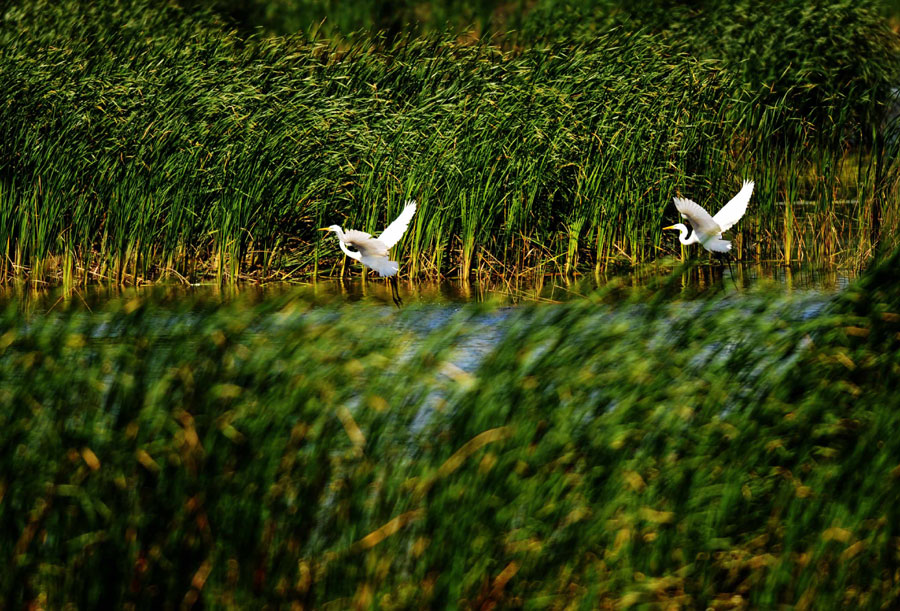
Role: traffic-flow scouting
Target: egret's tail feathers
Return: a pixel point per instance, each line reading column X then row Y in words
column 717, row 245
column 381, row 265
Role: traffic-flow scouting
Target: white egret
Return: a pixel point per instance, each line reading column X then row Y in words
column 708, row 229
column 373, row 252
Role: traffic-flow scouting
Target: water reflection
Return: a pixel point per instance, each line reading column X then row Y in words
column 693, row 282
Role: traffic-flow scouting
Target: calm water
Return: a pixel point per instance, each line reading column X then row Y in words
column 695, row 283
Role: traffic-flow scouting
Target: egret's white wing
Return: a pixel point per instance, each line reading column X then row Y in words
column 395, row 230
column 732, row 212
column 700, row 219
column 365, row 243
column 355, row 235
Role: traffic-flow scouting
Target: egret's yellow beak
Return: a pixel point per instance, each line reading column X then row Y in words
column 324, row 229
column 669, row 227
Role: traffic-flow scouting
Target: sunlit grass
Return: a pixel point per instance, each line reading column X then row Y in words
column 143, row 143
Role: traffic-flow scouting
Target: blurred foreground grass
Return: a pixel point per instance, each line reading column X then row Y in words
column 739, row 451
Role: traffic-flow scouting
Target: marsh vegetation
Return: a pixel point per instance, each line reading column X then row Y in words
column 625, row 427
column 143, row 142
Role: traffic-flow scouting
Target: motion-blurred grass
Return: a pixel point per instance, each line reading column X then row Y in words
column 724, row 452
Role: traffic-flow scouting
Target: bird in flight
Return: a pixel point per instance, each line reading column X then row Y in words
column 373, row 252
column 708, row 229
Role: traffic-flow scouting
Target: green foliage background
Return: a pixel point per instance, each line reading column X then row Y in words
column 140, row 140
column 738, row 450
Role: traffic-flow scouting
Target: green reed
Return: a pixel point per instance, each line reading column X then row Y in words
column 161, row 452
column 142, row 142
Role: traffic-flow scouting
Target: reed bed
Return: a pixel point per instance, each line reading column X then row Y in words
column 719, row 453
column 143, row 142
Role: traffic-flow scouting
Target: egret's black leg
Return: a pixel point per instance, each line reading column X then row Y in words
column 727, row 258
column 395, row 292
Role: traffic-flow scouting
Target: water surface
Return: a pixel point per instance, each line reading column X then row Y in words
column 695, row 283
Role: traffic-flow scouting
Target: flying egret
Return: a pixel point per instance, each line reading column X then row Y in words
column 373, row 252
column 708, row 229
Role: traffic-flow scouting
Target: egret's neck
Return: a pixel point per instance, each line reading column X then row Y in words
column 683, row 235
column 350, row 253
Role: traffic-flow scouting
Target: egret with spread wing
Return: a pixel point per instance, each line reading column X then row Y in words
column 373, row 252
column 708, row 229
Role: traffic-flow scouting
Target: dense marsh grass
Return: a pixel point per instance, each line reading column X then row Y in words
column 139, row 142
column 723, row 452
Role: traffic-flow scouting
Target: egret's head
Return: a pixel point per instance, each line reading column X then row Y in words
column 676, row 227
column 335, row 228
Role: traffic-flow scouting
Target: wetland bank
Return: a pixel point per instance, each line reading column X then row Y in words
column 581, row 414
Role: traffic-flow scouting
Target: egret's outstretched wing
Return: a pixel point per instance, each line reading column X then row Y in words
column 355, row 235
column 700, row 219
column 732, row 212
column 395, row 230
column 365, row 244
